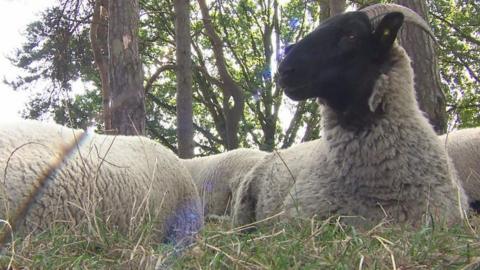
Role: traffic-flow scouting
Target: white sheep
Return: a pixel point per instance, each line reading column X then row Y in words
column 463, row 146
column 378, row 157
column 54, row 174
column 217, row 177
column 279, row 169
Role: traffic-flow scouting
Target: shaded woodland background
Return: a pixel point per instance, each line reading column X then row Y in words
column 221, row 93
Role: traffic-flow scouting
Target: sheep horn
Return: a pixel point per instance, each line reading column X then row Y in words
column 377, row 11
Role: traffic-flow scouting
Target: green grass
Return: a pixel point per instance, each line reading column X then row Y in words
column 87, row 246
column 303, row 244
column 327, row 244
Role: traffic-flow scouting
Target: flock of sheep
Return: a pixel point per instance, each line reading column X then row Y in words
column 378, row 158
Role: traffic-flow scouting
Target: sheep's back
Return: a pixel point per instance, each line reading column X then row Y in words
column 68, row 176
column 269, row 182
column 463, row 146
column 218, row 176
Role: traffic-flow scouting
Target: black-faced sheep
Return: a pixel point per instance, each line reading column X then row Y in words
column 217, row 177
column 463, row 146
column 378, row 157
column 53, row 174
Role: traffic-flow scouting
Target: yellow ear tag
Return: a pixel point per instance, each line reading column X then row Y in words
column 386, row 32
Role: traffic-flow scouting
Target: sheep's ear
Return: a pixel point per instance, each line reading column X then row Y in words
column 378, row 93
column 386, row 31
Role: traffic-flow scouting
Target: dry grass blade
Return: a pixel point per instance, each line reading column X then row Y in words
column 263, row 237
column 251, row 225
column 13, row 243
column 360, row 264
column 234, row 260
column 319, row 230
column 474, row 265
column 384, row 243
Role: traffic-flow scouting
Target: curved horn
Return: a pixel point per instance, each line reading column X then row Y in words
column 376, row 12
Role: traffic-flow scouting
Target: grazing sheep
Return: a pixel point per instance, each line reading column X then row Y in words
column 463, row 146
column 54, row 174
column 218, row 176
column 378, row 156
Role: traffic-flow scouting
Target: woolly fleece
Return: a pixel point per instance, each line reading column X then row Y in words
column 463, row 146
column 395, row 169
column 55, row 174
column 218, row 176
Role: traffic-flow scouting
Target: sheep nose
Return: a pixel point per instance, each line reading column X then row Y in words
column 286, row 75
column 286, row 71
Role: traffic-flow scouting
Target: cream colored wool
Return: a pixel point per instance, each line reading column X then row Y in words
column 279, row 169
column 395, row 170
column 463, row 146
column 54, row 174
column 217, row 177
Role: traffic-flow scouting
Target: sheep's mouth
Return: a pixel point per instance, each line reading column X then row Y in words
column 297, row 93
column 296, row 89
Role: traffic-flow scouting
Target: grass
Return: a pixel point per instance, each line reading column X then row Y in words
column 311, row 244
column 62, row 247
column 303, row 244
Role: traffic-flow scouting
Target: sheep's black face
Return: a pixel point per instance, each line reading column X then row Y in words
column 340, row 60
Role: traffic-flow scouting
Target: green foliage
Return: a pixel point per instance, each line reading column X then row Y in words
column 298, row 19
column 456, row 25
column 54, row 52
column 83, row 111
column 57, row 49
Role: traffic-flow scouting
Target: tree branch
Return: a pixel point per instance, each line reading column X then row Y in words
column 156, row 74
column 172, row 110
column 454, row 27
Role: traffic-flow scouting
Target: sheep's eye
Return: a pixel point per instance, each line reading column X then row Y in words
column 351, row 36
column 348, row 40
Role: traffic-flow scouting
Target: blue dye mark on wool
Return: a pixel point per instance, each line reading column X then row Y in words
column 208, row 186
column 184, row 224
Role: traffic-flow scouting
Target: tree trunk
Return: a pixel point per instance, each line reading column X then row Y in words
column 336, row 7
column 324, row 10
column 126, row 74
column 420, row 48
column 184, row 79
column 269, row 123
column 233, row 98
column 98, row 40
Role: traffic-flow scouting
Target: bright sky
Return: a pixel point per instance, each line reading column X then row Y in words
column 14, row 17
